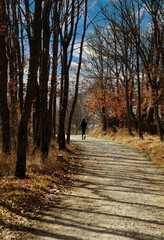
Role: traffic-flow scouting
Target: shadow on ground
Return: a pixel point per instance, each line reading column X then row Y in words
column 118, row 194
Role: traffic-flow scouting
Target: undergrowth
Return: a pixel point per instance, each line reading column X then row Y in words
column 45, row 178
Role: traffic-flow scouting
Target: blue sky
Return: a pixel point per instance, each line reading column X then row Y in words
column 93, row 10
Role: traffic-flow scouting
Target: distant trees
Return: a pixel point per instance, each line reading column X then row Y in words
column 27, row 30
column 131, row 44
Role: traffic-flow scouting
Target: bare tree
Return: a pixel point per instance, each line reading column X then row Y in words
column 78, row 72
column 66, row 33
column 53, row 94
column 35, row 46
column 148, row 46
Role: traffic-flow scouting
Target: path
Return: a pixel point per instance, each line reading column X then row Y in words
column 118, row 195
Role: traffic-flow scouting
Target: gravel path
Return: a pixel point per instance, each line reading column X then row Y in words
column 117, row 195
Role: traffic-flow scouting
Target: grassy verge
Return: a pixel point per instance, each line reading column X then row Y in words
column 23, row 199
column 151, row 146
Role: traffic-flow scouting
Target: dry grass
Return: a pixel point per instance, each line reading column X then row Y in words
column 151, row 146
column 45, row 178
column 34, row 161
column 7, row 164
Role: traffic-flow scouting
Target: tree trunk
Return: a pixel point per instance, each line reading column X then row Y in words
column 150, row 121
column 139, row 101
column 45, row 62
column 31, row 91
column 104, row 120
column 36, row 119
column 63, row 105
column 159, row 125
column 65, row 41
column 13, row 66
column 21, row 60
column 138, row 81
column 4, row 111
column 127, row 94
column 52, row 105
column 128, row 107
column 77, row 76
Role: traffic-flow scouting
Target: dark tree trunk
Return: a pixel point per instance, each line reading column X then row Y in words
column 31, row 90
column 159, row 125
column 13, row 67
column 139, row 99
column 21, row 60
column 139, row 82
column 155, row 90
column 104, row 120
column 132, row 115
column 150, row 121
column 127, row 88
column 128, row 108
column 77, row 76
column 22, row 132
column 45, row 62
column 63, row 105
column 125, row 73
column 36, row 119
column 54, row 114
column 4, row 111
column 52, row 105
column 65, row 41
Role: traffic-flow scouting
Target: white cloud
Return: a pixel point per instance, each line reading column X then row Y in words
column 74, row 64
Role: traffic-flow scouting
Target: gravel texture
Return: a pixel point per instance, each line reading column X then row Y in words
column 118, row 194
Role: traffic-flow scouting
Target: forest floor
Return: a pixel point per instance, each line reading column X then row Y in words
column 117, row 194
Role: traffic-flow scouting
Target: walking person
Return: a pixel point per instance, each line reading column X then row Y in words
column 83, row 128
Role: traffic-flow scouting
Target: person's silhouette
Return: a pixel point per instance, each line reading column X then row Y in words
column 83, row 128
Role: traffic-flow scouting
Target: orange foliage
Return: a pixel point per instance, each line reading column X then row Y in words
column 114, row 101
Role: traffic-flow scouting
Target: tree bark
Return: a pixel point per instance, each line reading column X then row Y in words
column 159, row 125
column 150, row 121
column 31, row 90
column 138, row 80
column 65, row 41
column 63, row 106
column 45, row 63
column 4, row 111
column 21, row 60
column 77, row 75
column 52, row 105
column 36, row 119
column 13, row 65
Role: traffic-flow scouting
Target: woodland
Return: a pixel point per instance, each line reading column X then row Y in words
column 120, row 62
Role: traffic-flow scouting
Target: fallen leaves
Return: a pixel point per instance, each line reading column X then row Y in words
column 25, row 196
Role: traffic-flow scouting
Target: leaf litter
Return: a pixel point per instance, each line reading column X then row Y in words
column 24, row 199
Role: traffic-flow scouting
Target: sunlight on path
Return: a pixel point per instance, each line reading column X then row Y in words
column 117, row 195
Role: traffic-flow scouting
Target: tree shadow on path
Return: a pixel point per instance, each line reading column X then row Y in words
column 117, row 195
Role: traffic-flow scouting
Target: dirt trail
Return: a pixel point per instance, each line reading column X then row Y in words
column 118, row 195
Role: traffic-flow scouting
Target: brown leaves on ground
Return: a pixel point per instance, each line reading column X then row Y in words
column 20, row 196
column 20, row 199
